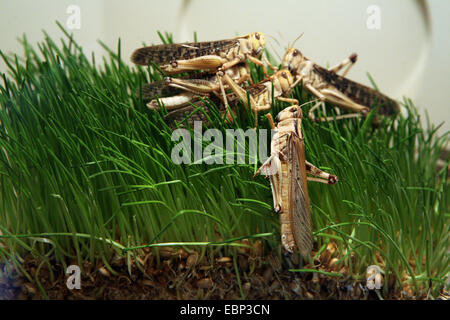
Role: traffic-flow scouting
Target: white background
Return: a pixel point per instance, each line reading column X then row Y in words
column 408, row 56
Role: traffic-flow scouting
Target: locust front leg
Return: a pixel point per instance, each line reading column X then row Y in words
column 245, row 77
column 271, row 122
column 272, row 168
column 242, row 94
column 314, row 108
column 257, row 109
column 274, row 69
column 288, row 100
column 224, row 96
column 259, row 63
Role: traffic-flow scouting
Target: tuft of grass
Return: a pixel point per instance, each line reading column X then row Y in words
column 86, row 173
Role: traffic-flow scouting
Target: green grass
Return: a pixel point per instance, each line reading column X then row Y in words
column 85, row 172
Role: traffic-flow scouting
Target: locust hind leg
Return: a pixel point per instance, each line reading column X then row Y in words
column 222, row 92
column 338, row 117
column 348, row 63
column 337, row 98
column 172, row 103
column 342, row 101
column 241, row 93
column 198, row 63
column 245, row 76
column 198, row 86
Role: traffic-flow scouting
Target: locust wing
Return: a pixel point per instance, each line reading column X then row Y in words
column 158, row 89
column 165, row 53
column 299, row 206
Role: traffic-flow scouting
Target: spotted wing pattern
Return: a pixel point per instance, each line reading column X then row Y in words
column 359, row 93
column 165, row 53
column 299, row 208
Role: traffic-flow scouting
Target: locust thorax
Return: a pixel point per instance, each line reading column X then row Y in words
column 290, row 113
column 257, row 43
column 292, row 60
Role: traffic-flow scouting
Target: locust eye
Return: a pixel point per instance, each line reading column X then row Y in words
column 284, row 75
column 257, row 36
column 295, row 52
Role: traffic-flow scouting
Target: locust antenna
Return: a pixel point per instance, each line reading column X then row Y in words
column 280, row 35
column 309, row 102
column 273, row 48
column 273, row 38
column 301, row 34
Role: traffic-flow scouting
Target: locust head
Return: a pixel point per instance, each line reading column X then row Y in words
column 292, row 60
column 257, row 43
column 292, row 112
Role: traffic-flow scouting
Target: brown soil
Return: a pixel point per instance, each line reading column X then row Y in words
column 179, row 275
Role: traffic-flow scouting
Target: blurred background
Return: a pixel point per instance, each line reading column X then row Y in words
column 403, row 44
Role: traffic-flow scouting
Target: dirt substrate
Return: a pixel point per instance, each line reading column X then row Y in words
column 176, row 274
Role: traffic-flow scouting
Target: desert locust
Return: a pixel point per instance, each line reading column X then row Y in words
column 328, row 86
column 287, row 170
